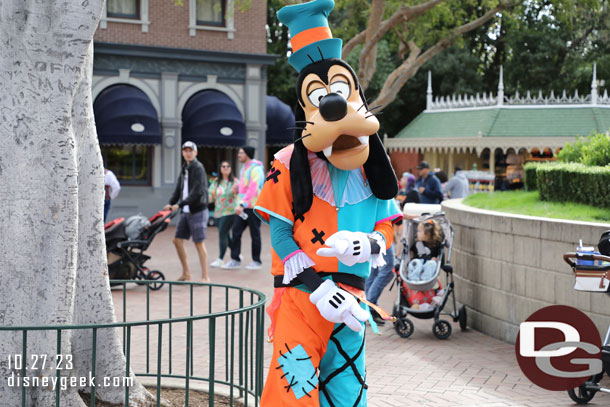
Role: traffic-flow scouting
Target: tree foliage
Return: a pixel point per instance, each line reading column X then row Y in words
column 543, row 45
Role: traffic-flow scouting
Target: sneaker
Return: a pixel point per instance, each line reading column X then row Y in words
column 216, row 263
column 232, row 264
column 255, row 265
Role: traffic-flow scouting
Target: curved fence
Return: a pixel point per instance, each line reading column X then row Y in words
column 210, row 335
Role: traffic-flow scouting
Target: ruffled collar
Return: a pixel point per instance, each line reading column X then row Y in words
column 357, row 189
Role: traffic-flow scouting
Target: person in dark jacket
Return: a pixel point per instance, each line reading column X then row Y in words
column 428, row 185
column 191, row 196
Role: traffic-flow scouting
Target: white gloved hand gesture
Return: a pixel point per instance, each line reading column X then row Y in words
column 338, row 306
column 349, row 247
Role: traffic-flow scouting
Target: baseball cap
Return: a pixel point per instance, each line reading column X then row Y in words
column 423, row 164
column 190, row 144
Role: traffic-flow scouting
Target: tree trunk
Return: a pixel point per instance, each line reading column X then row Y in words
column 52, row 248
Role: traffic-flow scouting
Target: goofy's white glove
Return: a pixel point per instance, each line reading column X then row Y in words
column 338, row 306
column 348, row 247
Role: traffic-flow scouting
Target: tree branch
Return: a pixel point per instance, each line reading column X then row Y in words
column 368, row 61
column 404, row 13
column 396, row 80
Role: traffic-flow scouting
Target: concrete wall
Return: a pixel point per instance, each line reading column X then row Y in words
column 509, row 266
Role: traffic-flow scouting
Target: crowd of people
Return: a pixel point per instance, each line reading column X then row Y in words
column 233, row 198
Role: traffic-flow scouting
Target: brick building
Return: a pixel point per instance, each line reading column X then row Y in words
column 165, row 73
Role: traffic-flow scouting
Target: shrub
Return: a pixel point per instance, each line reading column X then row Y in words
column 574, row 182
column 531, row 178
column 592, row 150
column 597, row 150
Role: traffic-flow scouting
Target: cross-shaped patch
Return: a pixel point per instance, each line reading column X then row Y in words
column 317, row 236
column 273, row 174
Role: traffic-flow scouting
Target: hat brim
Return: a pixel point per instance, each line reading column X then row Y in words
column 315, row 52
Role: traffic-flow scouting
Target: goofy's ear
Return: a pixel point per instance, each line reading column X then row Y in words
column 378, row 168
column 379, row 171
column 300, row 172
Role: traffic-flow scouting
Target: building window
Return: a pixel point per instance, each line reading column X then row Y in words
column 126, row 12
column 211, row 12
column 132, row 164
column 124, row 9
column 211, row 15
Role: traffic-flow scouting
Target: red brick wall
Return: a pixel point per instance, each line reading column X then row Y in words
column 169, row 28
column 402, row 162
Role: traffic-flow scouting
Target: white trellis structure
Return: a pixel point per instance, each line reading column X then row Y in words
column 477, row 142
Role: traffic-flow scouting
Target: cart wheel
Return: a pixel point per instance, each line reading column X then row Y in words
column 441, row 329
column 463, row 318
column 404, row 327
column 157, row 277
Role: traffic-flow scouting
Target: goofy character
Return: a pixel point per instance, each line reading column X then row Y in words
column 328, row 199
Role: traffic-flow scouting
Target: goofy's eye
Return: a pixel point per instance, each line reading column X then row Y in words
column 316, row 96
column 341, row 88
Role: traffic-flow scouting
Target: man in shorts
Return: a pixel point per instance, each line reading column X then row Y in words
column 191, row 196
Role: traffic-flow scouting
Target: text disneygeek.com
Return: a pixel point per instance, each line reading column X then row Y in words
column 65, row 382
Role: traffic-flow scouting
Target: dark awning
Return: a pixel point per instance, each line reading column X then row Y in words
column 210, row 118
column 125, row 115
column 279, row 119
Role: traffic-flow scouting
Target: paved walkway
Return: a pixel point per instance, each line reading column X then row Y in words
column 468, row 369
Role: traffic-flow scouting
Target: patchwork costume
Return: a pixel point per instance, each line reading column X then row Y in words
column 328, row 224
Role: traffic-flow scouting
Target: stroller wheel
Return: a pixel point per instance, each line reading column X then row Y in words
column 441, row 329
column 463, row 318
column 581, row 395
column 141, row 275
column 157, row 278
column 404, row 327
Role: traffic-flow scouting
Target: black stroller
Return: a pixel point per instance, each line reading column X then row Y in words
column 126, row 242
column 592, row 272
column 403, row 308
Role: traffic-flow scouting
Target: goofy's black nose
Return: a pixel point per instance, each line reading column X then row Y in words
column 333, row 107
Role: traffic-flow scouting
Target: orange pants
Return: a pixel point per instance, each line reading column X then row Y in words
column 303, row 335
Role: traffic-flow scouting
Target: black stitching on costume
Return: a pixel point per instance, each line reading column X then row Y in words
column 286, row 345
column 310, row 58
column 279, row 367
column 292, row 383
column 317, row 236
column 284, row 375
column 281, row 354
column 307, row 358
column 322, row 56
column 304, row 391
column 311, row 384
column 273, row 174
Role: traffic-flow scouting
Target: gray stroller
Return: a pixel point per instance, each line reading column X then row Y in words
column 430, row 287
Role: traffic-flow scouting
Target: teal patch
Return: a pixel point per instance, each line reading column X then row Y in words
column 297, row 369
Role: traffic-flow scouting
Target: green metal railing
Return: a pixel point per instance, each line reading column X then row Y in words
column 216, row 313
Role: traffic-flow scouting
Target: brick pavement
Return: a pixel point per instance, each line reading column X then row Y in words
column 468, row 369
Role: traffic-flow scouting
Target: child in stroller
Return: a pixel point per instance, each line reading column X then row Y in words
column 126, row 241
column 425, row 252
column 427, row 242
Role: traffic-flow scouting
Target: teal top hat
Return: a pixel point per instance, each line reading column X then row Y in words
column 310, row 35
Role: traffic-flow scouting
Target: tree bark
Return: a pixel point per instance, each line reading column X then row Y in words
column 52, row 248
column 396, row 80
column 368, row 60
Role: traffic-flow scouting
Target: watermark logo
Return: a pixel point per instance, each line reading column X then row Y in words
column 558, row 348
